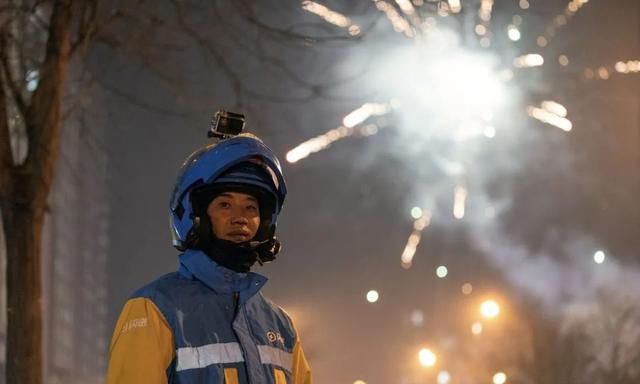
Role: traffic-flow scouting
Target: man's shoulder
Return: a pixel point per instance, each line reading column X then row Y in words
column 165, row 285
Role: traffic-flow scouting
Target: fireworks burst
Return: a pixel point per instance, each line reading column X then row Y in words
column 455, row 82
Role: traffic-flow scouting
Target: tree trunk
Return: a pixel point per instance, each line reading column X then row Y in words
column 24, row 194
column 23, row 228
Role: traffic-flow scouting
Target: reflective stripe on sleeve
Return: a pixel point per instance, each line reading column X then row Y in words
column 200, row 357
column 275, row 356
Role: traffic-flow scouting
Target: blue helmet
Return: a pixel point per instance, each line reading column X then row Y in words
column 221, row 162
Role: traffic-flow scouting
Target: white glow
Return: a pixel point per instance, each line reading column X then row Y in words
column 599, row 257
column 489, row 131
column 417, row 318
column 489, row 309
column 499, row 378
column 427, row 358
column 372, row 296
column 486, row 7
column 554, row 107
column 416, row 213
column 476, row 328
column 455, row 6
column 513, row 33
column 448, row 83
column 529, row 60
column 460, row 197
column 444, row 377
column 442, row 271
column 364, row 112
column 550, row 118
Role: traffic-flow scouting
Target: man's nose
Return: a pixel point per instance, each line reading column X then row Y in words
column 239, row 219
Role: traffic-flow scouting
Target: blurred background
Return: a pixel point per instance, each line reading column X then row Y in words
column 463, row 175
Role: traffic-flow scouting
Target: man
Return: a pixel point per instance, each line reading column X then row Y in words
column 208, row 322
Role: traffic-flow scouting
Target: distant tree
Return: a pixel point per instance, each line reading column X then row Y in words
column 597, row 341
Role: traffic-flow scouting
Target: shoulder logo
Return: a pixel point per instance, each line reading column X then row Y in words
column 134, row 323
column 274, row 336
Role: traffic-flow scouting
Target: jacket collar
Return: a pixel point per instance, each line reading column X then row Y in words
column 196, row 264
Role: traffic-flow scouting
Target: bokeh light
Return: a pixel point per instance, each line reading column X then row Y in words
column 427, row 358
column 499, row 378
column 489, row 309
column 442, row 271
column 416, row 213
column 443, row 377
column 476, row 328
column 466, row 288
column 599, row 257
column 372, row 296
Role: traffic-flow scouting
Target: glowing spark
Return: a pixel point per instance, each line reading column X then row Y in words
column 550, row 118
column 486, row 6
column 317, row 144
column 427, row 358
column 406, row 7
column 363, row 113
column 350, row 121
column 460, row 197
column 455, row 6
column 630, row 66
column 553, row 107
column 398, row 22
column 409, row 251
column 529, row 60
column 331, row 17
column 562, row 19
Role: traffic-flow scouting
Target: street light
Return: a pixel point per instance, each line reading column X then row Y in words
column 489, row 309
column 427, row 358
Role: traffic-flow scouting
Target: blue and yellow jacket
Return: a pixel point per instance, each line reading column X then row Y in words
column 205, row 324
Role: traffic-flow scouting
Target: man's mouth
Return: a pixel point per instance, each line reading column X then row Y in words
column 238, row 235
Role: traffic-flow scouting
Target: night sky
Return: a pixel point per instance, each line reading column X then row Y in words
column 540, row 201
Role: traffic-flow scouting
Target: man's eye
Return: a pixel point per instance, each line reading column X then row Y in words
column 252, row 208
column 224, row 204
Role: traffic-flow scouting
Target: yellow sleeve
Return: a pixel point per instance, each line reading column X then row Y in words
column 300, row 371
column 142, row 345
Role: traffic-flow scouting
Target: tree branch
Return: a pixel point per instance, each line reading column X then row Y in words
column 11, row 83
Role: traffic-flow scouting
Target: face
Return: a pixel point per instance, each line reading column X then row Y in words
column 234, row 216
